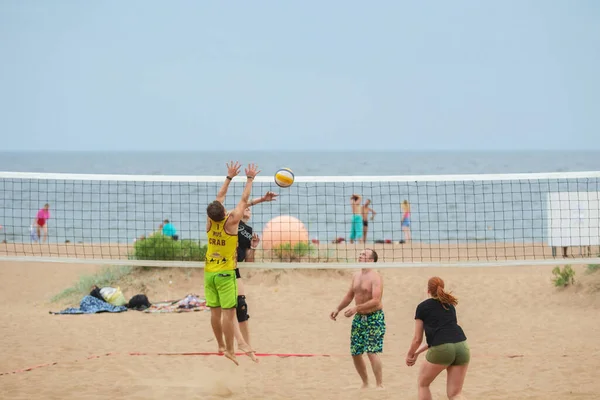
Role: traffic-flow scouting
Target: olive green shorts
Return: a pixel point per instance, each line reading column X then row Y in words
column 449, row 354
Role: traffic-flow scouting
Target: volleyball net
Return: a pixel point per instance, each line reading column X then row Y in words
column 318, row 222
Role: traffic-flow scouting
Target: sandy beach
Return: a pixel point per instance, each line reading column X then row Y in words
column 529, row 340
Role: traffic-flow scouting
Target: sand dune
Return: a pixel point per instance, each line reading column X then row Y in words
column 528, row 339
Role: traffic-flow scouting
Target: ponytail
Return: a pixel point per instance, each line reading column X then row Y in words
column 435, row 287
column 446, row 298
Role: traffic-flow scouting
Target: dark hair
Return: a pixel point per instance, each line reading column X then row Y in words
column 166, row 221
column 216, row 211
column 374, row 255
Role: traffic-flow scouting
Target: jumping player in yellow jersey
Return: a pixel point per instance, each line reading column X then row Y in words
column 220, row 286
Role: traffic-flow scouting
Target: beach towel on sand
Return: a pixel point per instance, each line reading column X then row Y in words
column 92, row 305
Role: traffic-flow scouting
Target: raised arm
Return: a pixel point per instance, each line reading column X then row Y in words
column 232, row 170
column 269, row 196
column 236, row 215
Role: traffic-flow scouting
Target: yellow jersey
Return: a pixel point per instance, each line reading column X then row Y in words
column 221, row 254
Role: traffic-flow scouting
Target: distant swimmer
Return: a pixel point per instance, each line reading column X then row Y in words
column 356, row 221
column 368, row 325
column 405, row 223
column 366, row 209
column 41, row 222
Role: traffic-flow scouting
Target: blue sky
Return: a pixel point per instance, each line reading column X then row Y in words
column 303, row 75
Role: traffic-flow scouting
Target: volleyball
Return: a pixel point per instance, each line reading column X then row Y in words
column 284, row 177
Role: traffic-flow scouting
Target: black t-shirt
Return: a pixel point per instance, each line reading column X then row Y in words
column 244, row 238
column 440, row 323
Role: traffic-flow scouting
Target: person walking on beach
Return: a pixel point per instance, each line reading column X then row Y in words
column 247, row 243
column 366, row 209
column 368, row 325
column 356, row 221
column 168, row 229
column 405, row 223
column 41, row 222
column 445, row 339
column 220, row 285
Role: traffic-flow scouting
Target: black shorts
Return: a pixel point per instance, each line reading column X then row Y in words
column 365, row 222
column 242, row 309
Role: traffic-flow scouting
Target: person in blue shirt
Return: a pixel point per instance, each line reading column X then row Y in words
column 169, row 230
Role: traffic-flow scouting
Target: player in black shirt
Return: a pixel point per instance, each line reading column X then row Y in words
column 247, row 242
column 445, row 339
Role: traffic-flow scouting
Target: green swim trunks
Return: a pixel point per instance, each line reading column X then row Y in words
column 367, row 333
column 356, row 227
column 220, row 289
column 449, row 354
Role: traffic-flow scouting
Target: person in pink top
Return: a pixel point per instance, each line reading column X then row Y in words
column 41, row 221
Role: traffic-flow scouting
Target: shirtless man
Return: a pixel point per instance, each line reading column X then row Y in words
column 365, row 218
column 356, row 221
column 368, row 325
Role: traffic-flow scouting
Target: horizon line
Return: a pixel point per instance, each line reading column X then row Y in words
column 307, row 151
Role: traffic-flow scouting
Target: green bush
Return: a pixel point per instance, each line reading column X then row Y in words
column 564, row 277
column 286, row 251
column 163, row 248
column 591, row 268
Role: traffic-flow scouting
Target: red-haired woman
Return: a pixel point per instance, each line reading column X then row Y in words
column 446, row 341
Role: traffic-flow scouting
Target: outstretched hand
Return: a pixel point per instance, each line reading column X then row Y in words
column 252, row 170
column 270, row 196
column 233, row 169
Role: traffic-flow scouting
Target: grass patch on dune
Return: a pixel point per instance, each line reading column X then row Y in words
column 108, row 276
column 591, row 268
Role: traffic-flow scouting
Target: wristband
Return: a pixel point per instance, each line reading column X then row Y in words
column 250, row 177
column 230, row 178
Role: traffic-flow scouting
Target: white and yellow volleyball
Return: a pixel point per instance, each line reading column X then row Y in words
column 284, row 177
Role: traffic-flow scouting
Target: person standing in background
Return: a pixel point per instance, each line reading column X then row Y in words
column 366, row 209
column 41, row 222
column 405, row 224
column 168, row 229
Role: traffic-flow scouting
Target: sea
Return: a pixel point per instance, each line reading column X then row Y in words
column 441, row 212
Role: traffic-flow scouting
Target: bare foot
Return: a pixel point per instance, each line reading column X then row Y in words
column 232, row 357
column 364, row 386
column 380, row 387
column 249, row 352
column 221, row 350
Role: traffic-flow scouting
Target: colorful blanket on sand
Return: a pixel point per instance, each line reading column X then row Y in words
column 190, row 303
column 92, row 305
